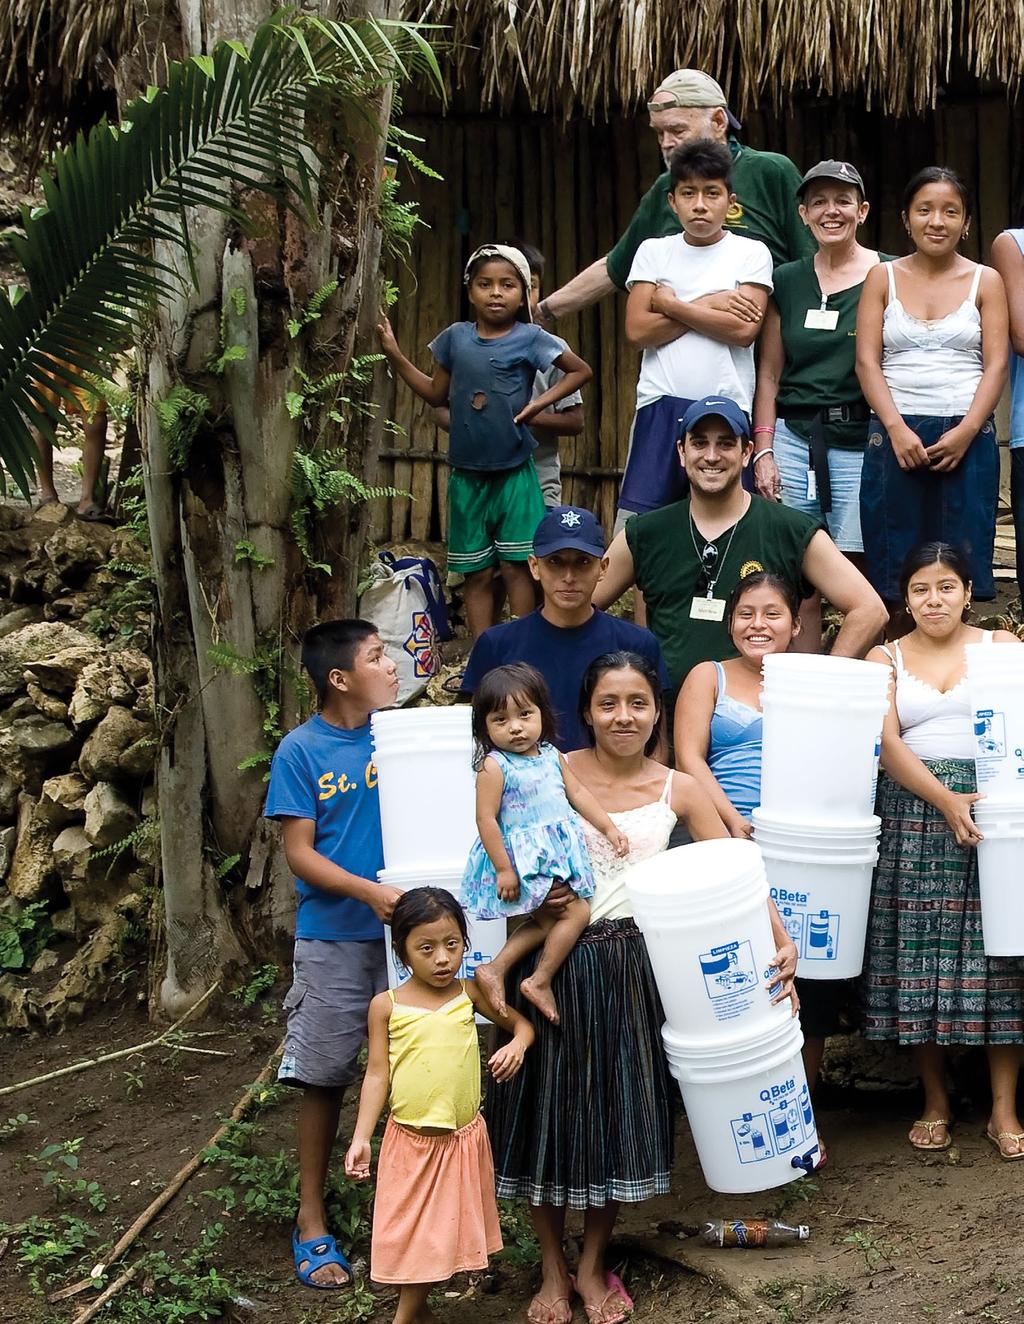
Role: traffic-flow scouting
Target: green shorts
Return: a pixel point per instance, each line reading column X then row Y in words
column 492, row 516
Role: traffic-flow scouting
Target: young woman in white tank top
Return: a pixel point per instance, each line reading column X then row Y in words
column 931, row 360
column 927, row 981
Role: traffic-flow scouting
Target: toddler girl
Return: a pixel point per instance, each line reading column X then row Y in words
column 434, row 1210
column 529, row 838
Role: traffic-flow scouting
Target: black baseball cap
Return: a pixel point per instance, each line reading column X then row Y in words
column 568, row 527
column 717, row 405
column 841, row 172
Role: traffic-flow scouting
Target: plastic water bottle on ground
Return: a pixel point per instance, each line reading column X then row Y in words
column 752, row 1233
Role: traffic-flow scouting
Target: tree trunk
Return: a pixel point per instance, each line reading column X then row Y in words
column 229, row 575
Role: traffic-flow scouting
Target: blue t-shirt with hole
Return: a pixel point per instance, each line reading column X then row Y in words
column 492, row 380
column 327, row 774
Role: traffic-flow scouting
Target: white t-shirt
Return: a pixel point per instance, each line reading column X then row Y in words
column 694, row 365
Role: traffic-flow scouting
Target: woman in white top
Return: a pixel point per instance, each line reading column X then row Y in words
column 588, row 1121
column 927, row 981
column 931, row 359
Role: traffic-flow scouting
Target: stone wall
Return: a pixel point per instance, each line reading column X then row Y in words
column 78, row 744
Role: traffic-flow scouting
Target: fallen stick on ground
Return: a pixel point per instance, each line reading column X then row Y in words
column 96, row 1306
column 110, row 1057
column 168, row 1193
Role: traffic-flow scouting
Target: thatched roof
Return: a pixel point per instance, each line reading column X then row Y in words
column 599, row 56
column 58, row 64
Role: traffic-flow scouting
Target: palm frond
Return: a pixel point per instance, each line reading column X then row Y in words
column 228, row 123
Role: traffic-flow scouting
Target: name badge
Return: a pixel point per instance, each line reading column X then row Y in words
column 821, row 319
column 812, row 485
column 707, row 609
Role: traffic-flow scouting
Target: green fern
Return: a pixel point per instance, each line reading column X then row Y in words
column 313, row 310
column 246, row 551
column 180, row 414
column 320, row 482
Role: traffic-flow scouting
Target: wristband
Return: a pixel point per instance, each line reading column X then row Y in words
column 761, row 454
column 764, row 428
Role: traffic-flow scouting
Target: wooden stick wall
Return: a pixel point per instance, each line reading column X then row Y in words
column 571, row 190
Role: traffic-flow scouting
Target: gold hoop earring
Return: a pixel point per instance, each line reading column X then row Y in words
column 967, row 605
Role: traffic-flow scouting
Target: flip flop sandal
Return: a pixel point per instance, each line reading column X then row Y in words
column 615, row 1306
column 308, row 1256
column 48, row 501
column 453, row 685
column 616, row 1285
column 558, row 1311
column 93, row 515
column 997, row 1142
column 930, row 1128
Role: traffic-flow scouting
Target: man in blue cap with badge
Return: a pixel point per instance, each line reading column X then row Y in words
column 687, row 558
column 563, row 636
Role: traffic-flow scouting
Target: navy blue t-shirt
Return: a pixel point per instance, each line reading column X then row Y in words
column 561, row 656
column 492, row 380
column 327, row 774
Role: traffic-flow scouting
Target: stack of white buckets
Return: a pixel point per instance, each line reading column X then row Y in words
column 703, row 911
column 816, row 825
column 995, row 681
column 427, row 787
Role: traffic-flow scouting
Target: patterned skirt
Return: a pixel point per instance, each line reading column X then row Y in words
column 588, row 1119
column 927, row 978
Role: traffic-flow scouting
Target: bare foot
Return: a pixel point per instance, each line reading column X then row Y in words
column 539, row 993
column 493, row 985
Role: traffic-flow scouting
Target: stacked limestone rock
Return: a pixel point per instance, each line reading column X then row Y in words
column 78, row 745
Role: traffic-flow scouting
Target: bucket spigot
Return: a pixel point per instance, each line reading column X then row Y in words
column 805, row 1161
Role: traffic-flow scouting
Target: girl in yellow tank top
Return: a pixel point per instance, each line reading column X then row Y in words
column 434, row 1212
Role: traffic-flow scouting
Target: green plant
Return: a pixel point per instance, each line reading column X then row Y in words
column 874, row 1249
column 226, row 122
column 59, row 1159
column 260, row 982
column 796, row 1191
column 14, row 1124
column 44, row 1245
column 517, row 1233
column 181, row 414
column 313, row 310
column 246, row 551
column 829, row 1293
column 134, row 1081
column 24, row 933
column 170, row 1293
column 320, row 482
column 266, row 669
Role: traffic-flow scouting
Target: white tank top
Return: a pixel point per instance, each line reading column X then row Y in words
column 932, row 367
column 648, row 828
column 935, row 725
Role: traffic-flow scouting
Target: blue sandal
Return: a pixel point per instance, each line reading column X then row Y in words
column 311, row 1255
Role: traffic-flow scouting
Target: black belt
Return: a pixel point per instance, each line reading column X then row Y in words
column 818, row 418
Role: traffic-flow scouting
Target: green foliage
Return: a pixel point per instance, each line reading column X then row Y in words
column 45, row 1245
column 23, row 935
column 399, row 220
column 166, row 1293
column 320, row 482
column 326, row 392
column 231, row 120
column 246, row 551
column 59, row 1159
column 261, row 981
column 148, row 830
column 517, row 1233
column 14, row 1124
column 265, row 669
column 180, row 414
column 313, row 310
column 874, row 1249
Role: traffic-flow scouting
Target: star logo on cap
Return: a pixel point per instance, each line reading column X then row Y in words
column 844, row 170
column 571, row 518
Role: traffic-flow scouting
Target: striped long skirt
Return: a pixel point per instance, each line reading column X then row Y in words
column 588, row 1119
column 927, row 978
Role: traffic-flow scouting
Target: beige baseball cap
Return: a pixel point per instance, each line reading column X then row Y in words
column 516, row 259
column 691, row 87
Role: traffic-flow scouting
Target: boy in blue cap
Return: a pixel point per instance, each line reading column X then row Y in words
column 563, row 636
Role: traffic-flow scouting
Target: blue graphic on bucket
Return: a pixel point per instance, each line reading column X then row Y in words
column 752, row 1138
column 787, row 1122
column 992, row 747
column 822, row 936
column 730, row 977
column 805, row 1108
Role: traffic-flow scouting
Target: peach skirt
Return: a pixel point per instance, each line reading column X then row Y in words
column 434, row 1211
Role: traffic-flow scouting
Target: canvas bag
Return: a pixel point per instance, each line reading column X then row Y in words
column 406, row 603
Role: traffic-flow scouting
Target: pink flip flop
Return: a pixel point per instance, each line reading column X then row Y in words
column 616, row 1285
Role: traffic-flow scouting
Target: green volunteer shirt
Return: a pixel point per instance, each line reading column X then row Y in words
column 765, row 185
column 820, row 367
column 669, row 573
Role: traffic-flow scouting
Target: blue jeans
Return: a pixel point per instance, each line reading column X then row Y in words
column 1017, row 506
column 902, row 508
column 792, row 458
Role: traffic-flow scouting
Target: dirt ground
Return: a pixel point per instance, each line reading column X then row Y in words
column 896, row 1236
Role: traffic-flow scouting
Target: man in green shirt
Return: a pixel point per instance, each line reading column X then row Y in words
column 688, row 105
column 687, row 558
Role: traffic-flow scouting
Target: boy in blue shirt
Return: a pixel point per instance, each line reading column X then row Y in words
column 323, row 791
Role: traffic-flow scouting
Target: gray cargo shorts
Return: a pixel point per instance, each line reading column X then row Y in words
column 332, row 985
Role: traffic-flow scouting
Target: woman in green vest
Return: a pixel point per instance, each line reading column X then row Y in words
column 810, row 419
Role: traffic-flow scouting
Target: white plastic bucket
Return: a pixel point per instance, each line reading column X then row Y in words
column 748, row 1106
column 822, row 716
column 703, row 911
column 427, row 787
column 820, row 879
column 995, row 683
column 486, row 936
column 1001, row 874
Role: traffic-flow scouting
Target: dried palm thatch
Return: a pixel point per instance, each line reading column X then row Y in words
column 604, row 55
column 58, row 64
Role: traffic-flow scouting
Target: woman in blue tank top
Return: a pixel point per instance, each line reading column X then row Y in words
column 718, row 715
column 1008, row 260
